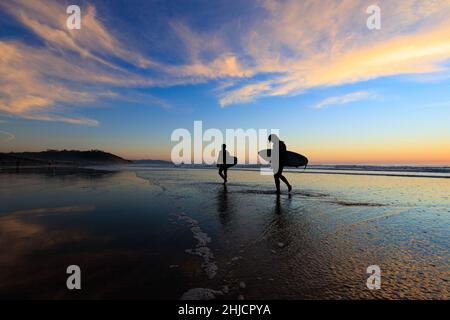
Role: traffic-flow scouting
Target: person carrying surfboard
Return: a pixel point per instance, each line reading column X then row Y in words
column 278, row 163
column 224, row 162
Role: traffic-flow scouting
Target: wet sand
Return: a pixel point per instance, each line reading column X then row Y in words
column 159, row 233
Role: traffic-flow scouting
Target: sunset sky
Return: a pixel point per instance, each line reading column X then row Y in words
column 337, row 91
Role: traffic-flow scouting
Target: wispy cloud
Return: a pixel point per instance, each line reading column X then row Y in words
column 8, row 135
column 284, row 48
column 308, row 44
column 245, row 94
column 344, row 99
column 47, row 19
column 56, row 118
column 72, row 68
column 142, row 99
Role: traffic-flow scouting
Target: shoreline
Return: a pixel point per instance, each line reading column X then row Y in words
column 379, row 173
column 121, row 167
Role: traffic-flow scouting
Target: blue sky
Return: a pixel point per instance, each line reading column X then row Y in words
column 137, row 70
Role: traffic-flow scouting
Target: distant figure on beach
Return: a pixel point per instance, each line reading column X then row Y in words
column 224, row 162
column 279, row 148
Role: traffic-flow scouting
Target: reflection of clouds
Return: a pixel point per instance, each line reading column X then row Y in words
column 49, row 211
column 20, row 235
column 35, row 254
column 11, row 226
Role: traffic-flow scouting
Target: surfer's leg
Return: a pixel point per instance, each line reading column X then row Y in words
column 225, row 171
column 283, row 178
column 277, row 181
column 221, row 168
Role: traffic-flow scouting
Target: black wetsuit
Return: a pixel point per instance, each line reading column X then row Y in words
column 223, row 166
column 282, row 160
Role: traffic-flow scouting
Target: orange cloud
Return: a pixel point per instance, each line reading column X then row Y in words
column 310, row 44
column 295, row 45
column 48, row 20
column 36, row 82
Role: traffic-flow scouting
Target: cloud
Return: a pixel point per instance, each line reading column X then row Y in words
column 344, row 99
column 282, row 48
column 308, row 44
column 35, row 81
column 9, row 135
column 70, row 120
column 206, row 56
column 245, row 94
column 48, row 21
column 221, row 67
column 72, row 68
column 144, row 99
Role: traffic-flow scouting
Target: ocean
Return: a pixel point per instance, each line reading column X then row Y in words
column 158, row 232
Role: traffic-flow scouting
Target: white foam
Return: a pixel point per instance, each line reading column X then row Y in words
column 201, row 249
column 201, row 294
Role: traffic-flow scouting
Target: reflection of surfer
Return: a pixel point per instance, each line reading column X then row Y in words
column 278, row 149
column 224, row 162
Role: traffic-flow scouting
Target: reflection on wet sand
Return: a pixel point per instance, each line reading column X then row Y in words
column 315, row 243
column 85, row 221
column 224, row 206
column 27, row 242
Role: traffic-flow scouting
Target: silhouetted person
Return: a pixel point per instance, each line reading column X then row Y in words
column 224, row 156
column 279, row 148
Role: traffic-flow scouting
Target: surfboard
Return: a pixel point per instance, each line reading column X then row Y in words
column 229, row 165
column 292, row 159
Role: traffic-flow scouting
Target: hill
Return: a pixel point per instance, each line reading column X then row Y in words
column 61, row 157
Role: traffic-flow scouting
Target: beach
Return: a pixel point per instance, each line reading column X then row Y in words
column 170, row 233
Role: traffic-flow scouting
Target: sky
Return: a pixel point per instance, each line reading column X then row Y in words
column 337, row 91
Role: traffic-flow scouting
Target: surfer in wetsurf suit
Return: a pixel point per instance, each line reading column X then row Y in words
column 224, row 155
column 279, row 148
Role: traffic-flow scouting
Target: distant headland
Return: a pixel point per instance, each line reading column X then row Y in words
column 60, row 157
